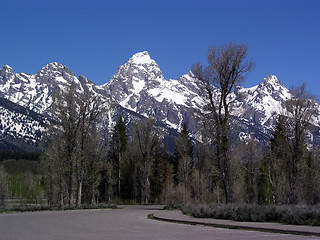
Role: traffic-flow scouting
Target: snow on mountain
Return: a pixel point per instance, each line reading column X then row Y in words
column 138, row 74
column 138, row 89
column 35, row 93
column 20, row 128
column 139, row 85
column 260, row 103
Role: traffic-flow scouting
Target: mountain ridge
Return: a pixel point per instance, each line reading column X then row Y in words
column 139, row 86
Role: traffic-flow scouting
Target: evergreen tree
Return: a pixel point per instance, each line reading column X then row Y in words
column 157, row 177
column 118, row 146
column 265, row 195
column 279, row 161
column 309, row 180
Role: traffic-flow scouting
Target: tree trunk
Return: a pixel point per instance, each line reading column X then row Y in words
column 227, row 181
column 225, row 162
column 70, row 188
column 79, row 196
column 119, row 174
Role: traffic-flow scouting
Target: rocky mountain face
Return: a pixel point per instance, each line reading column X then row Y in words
column 137, row 90
column 20, row 128
column 35, row 92
column 139, row 85
column 25, row 101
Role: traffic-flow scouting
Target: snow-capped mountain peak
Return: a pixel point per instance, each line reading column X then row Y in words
column 143, row 67
column 55, row 69
column 6, row 72
column 35, row 91
column 7, row 68
column 271, row 78
column 134, row 79
column 272, row 82
column 51, row 67
column 139, row 86
column 272, row 86
column 141, row 58
column 259, row 104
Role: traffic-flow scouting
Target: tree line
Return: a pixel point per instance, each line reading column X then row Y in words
column 33, row 156
column 135, row 166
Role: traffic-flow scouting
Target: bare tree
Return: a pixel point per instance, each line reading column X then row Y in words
column 301, row 109
column 251, row 156
column 184, row 161
column 70, row 151
column 63, row 137
column 227, row 68
column 89, row 111
column 146, row 141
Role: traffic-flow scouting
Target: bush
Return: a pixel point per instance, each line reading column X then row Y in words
column 35, row 208
column 3, row 185
column 288, row 214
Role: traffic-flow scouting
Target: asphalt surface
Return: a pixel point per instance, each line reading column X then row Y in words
column 130, row 223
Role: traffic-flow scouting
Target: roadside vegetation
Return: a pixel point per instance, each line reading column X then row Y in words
column 213, row 176
column 45, row 207
column 287, row 214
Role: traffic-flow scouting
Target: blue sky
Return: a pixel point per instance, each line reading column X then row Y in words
column 94, row 37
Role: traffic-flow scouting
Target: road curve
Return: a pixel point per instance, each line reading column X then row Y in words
column 129, row 223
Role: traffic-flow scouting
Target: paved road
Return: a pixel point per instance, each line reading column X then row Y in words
column 130, row 223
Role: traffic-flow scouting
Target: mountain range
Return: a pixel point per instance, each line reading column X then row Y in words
column 137, row 90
